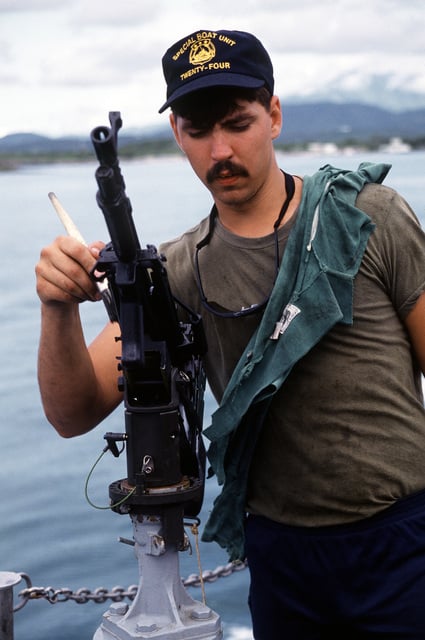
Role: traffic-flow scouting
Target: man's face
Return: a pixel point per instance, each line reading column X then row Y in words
column 233, row 156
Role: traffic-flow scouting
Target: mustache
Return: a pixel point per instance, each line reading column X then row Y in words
column 226, row 166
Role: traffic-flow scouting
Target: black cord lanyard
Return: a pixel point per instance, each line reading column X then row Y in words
column 290, row 190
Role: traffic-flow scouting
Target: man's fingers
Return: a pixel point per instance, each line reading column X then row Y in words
column 63, row 272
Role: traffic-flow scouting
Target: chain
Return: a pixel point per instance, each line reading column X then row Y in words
column 81, row 596
column 117, row 594
column 212, row 575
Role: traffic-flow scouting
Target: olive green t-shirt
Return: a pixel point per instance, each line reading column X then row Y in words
column 345, row 435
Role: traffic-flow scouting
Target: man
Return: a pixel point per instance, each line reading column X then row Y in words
column 312, row 296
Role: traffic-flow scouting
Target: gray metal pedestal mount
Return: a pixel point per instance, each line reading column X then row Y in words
column 8, row 580
column 162, row 608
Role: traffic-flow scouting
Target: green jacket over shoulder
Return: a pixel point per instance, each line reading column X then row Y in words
column 313, row 292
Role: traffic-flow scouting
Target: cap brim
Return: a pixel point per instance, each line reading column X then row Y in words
column 214, row 80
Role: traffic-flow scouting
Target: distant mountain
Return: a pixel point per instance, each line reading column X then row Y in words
column 32, row 143
column 329, row 121
column 303, row 122
column 396, row 91
column 21, row 140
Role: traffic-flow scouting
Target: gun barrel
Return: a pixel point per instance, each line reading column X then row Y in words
column 104, row 145
column 111, row 196
column 104, row 140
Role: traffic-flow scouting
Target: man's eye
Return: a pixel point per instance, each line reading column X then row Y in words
column 197, row 133
column 240, row 126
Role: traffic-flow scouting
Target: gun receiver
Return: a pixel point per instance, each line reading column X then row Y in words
column 161, row 369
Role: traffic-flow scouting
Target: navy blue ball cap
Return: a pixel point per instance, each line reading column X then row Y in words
column 207, row 59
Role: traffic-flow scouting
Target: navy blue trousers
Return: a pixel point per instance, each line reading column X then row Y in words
column 362, row 581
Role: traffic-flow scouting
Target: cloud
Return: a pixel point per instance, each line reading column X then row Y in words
column 337, row 28
column 86, row 55
column 129, row 13
column 125, row 58
column 23, row 6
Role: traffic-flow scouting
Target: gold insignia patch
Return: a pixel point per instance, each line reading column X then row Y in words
column 202, row 51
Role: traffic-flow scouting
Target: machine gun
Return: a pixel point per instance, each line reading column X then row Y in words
column 160, row 370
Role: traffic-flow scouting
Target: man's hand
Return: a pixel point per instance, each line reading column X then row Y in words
column 63, row 272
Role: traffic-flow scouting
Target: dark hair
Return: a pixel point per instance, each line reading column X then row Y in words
column 206, row 107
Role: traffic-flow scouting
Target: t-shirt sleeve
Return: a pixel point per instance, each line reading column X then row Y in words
column 397, row 245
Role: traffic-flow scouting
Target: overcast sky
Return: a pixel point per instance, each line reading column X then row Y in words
column 65, row 65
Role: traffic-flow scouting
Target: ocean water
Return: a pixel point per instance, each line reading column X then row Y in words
column 47, row 528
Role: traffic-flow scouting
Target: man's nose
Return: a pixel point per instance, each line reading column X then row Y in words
column 221, row 148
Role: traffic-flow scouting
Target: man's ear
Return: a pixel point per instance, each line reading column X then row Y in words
column 173, row 123
column 276, row 117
